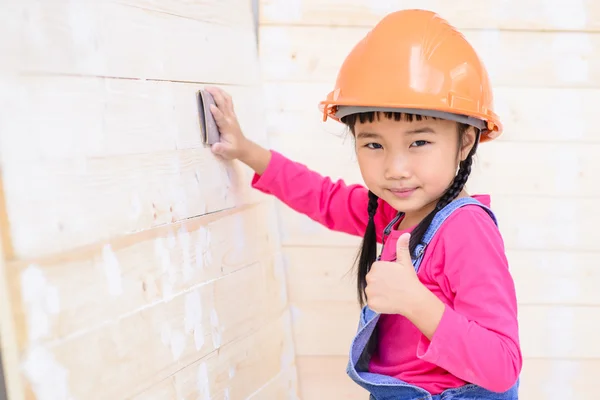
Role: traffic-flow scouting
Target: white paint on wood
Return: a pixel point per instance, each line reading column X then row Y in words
column 203, row 248
column 41, row 301
column 173, row 339
column 216, row 329
column 112, row 270
column 48, row 379
column 193, row 318
column 184, row 239
column 203, row 382
column 162, row 251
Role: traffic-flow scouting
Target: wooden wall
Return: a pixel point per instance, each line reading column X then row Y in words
column 135, row 263
column 543, row 58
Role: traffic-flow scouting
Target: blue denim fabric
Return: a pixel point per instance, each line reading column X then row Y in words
column 382, row 387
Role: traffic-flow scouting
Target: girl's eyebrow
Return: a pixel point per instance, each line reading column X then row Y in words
column 368, row 135
column 425, row 129
column 373, row 135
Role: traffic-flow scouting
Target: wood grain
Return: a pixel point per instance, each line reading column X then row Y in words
column 154, row 343
column 133, row 39
column 231, row 372
column 107, row 157
column 126, row 275
column 535, row 15
column 546, row 59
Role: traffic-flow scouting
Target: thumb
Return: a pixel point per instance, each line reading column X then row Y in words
column 222, row 149
column 402, row 250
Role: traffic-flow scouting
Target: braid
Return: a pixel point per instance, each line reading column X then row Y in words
column 460, row 180
column 367, row 256
column 368, row 252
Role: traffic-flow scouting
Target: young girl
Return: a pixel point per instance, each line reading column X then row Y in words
column 440, row 319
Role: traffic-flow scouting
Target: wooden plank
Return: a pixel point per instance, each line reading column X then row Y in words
column 293, row 112
column 110, row 157
column 284, row 386
column 546, row 59
column 326, row 274
column 58, row 117
column 238, row 370
column 526, row 222
column 484, row 14
column 69, row 205
column 325, row 378
column 145, row 347
column 134, row 272
column 546, row 331
column 337, row 324
column 559, row 379
column 133, row 39
column 200, row 10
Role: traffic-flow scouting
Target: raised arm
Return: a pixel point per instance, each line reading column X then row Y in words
column 337, row 206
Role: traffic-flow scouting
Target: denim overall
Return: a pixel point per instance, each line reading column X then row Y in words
column 382, row 387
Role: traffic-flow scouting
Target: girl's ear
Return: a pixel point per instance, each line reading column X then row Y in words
column 468, row 141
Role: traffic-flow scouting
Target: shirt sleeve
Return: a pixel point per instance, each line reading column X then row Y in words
column 333, row 204
column 477, row 339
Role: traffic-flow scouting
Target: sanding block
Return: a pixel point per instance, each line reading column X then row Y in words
column 208, row 126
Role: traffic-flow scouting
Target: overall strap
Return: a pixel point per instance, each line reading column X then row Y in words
column 439, row 219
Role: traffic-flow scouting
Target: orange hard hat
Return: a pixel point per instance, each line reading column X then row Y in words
column 414, row 61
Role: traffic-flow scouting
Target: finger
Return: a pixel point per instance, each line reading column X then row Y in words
column 221, row 149
column 218, row 97
column 228, row 101
column 402, row 250
column 218, row 115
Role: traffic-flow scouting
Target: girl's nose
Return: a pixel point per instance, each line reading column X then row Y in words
column 397, row 167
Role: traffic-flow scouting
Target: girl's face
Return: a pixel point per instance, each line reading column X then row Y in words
column 410, row 164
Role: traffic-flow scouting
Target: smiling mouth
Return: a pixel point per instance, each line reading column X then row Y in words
column 406, row 192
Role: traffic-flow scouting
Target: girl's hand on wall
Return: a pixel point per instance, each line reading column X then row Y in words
column 233, row 142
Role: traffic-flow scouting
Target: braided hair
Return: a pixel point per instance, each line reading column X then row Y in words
column 367, row 254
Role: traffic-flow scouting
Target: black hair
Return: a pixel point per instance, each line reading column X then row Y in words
column 368, row 252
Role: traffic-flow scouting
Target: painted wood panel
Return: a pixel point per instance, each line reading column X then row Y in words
column 136, row 39
column 130, row 253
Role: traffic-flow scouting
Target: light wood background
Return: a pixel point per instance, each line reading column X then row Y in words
column 135, row 264
column 544, row 61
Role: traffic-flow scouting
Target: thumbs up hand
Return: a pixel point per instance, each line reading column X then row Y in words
column 393, row 287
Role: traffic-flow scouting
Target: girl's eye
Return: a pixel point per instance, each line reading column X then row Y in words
column 373, row 146
column 419, row 143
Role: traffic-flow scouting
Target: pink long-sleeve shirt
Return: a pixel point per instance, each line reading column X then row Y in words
column 465, row 266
